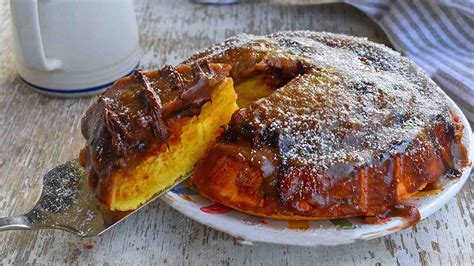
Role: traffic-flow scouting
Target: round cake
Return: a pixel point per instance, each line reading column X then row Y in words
column 293, row 125
column 348, row 127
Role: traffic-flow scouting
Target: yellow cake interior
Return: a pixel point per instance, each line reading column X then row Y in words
column 251, row 89
column 190, row 138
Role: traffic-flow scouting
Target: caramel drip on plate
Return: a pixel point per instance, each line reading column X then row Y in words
column 407, row 213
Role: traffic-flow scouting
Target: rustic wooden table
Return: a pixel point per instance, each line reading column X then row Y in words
column 38, row 132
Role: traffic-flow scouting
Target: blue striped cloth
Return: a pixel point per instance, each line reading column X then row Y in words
column 438, row 35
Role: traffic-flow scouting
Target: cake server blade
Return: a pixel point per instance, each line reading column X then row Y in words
column 68, row 203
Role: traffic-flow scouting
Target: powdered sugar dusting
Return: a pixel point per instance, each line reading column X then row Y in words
column 359, row 101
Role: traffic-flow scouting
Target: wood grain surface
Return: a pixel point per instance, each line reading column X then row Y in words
column 39, row 132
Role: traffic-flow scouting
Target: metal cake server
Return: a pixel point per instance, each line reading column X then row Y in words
column 68, row 203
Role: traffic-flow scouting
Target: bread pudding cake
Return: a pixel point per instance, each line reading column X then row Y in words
column 149, row 129
column 327, row 126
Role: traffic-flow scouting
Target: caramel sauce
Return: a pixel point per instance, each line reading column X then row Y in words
column 460, row 150
column 89, row 245
column 407, row 213
column 302, row 190
column 111, row 217
column 187, row 197
column 431, row 189
column 298, row 225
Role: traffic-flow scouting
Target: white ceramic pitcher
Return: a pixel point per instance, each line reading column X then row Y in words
column 74, row 47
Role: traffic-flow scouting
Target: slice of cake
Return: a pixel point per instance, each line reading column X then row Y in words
column 150, row 129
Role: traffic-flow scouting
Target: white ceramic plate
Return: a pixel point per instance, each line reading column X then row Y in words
column 247, row 228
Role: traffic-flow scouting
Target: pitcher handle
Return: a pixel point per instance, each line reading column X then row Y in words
column 27, row 29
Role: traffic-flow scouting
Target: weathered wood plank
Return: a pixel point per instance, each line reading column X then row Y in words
column 39, row 132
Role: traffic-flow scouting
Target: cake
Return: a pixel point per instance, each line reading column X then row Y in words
column 292, row 125
column 351, row 128
column 149, row 130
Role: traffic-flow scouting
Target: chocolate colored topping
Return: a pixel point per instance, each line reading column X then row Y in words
column 173, row 78
column 190, row 101
column 153, row 103
column 116, row 129
column 132, row 117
